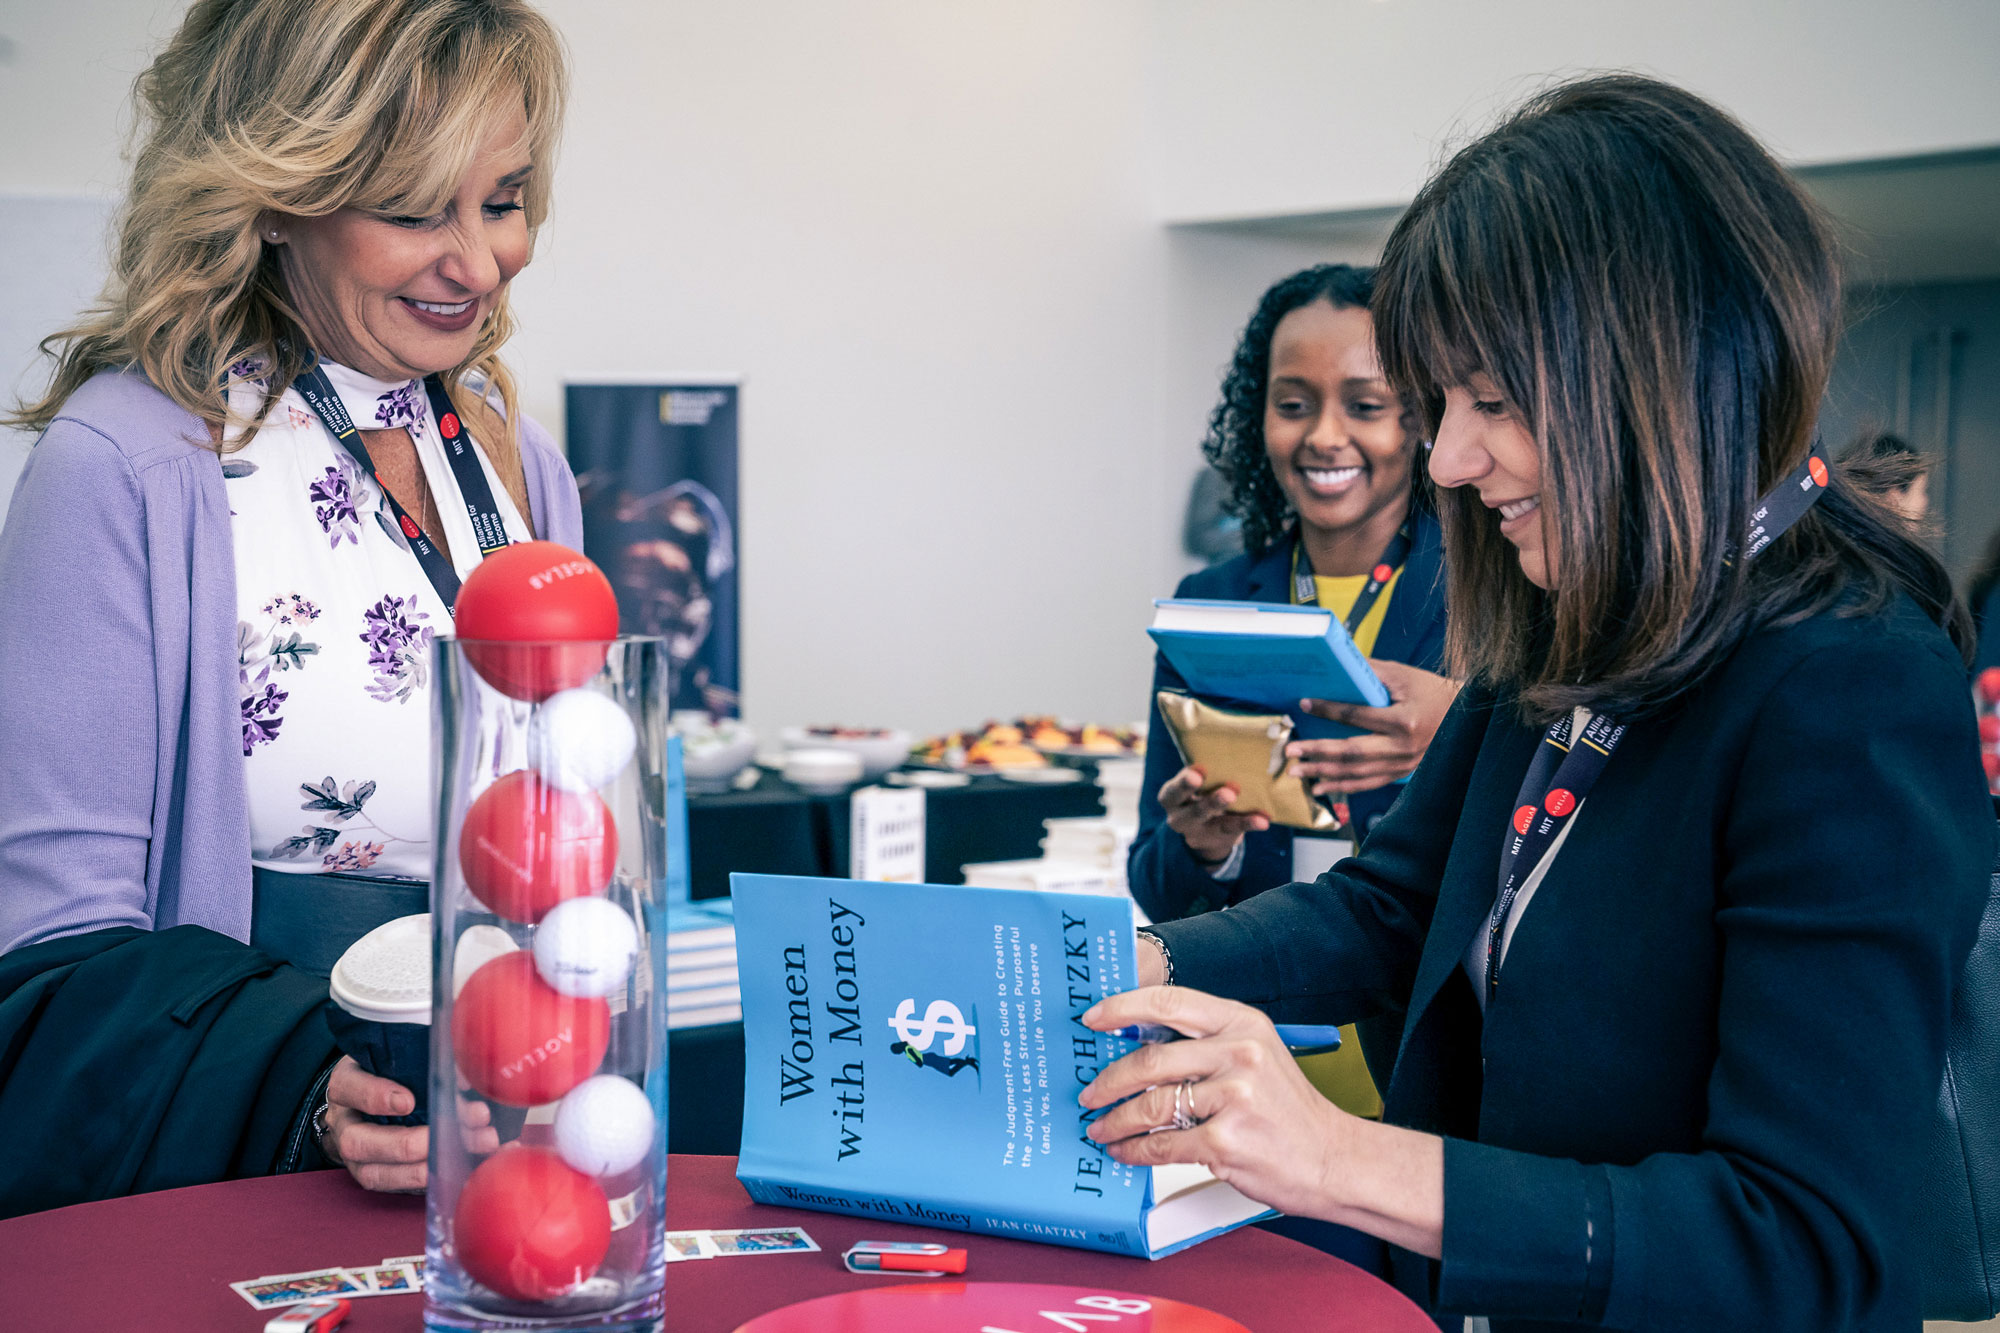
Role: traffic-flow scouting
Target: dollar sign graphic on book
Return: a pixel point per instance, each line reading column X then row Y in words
column 940, row 1016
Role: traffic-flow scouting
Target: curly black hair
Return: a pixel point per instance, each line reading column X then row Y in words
column 1234, row 445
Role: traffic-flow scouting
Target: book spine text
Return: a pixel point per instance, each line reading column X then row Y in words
column 1077, row 1232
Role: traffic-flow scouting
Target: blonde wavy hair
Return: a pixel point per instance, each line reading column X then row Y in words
column 304, row 107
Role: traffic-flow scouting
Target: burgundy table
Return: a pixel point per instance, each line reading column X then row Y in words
column 162, row 1262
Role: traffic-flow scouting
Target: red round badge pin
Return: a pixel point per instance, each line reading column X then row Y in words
column 448, row 425
column 1560, row 802
column 922, row 1307
column 1817, row 469
column 1381, row 573
column 1522, row 818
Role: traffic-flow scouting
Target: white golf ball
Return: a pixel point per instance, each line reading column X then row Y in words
column 579, row 740
column 585, row 946
column 605, row 1125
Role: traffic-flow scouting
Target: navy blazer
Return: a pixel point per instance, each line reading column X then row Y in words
column 1166, row 880
column 1698, row 1098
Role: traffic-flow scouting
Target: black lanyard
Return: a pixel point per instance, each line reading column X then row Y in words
column 487, row 528
column 1559, row 776
column 1305, row 592
column 1562, row 772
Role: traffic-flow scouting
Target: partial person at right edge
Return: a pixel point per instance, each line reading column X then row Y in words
column 1982, row 596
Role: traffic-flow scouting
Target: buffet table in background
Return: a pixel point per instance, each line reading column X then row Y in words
column 163, row 1262
column 777, row 829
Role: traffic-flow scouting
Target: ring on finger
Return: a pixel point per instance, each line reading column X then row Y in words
column 1184, row 1117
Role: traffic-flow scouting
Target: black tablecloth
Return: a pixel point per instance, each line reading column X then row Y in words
column 776, row 829
column 705, row 1089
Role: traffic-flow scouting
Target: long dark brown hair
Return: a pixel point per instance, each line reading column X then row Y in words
column 1659, row 302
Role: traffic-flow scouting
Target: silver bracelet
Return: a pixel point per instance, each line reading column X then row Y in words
column 1166, row 956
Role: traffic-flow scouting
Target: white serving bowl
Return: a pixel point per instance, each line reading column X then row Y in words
column 712, row 752
column 878, row 753
column 822, row 771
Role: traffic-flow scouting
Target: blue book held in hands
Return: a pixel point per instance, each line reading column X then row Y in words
column 1264, row 654
column 912, row 1053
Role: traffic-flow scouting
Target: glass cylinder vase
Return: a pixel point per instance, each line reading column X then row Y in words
column 546, row 1205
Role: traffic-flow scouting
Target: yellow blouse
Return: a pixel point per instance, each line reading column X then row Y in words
column 1342, row 1077
column 1338, row 596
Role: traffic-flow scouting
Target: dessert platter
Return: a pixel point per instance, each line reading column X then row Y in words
column 1024, row 745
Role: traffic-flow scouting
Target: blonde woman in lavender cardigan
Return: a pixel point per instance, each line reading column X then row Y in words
column 213, row 632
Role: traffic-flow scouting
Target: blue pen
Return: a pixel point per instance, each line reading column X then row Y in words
column 1299, row 1038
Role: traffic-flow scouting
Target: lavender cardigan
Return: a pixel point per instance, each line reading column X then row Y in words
column 122, row 799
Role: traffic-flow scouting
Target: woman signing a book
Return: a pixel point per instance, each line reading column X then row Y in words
column 1677, row 903
column 1319, row 454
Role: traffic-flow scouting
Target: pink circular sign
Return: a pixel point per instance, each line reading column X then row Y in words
column 990, row 1307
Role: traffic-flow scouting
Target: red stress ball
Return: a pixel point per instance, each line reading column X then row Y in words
column 536, row 618
column 527, row 845
column 519, row 1040
column 1988, row 682
column 529, row 1225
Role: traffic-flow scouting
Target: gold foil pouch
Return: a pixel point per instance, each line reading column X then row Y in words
column 1246, row 750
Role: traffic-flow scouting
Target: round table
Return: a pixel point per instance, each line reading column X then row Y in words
column 163, row 1262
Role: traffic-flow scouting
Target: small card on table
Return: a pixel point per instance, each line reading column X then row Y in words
column 392, row 1277
column 269, row 1293
column 723, row 1244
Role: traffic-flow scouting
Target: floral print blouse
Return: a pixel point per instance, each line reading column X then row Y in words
column 335, row 620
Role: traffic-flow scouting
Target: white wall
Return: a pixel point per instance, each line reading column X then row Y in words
column 1283, row 106
column 919, row 233
column 927, row 235
column 66, row 72
column 1267, row 108
column 52, row 264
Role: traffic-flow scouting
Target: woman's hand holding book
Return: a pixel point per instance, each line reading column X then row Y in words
column 1232, row 1098
column 1399, row 735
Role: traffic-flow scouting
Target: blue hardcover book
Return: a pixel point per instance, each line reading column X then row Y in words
column 912, row 1053
column 1263, row 654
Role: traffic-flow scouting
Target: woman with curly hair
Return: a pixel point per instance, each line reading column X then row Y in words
column 1319, row 455
column 244, row 522
column 1320, row 458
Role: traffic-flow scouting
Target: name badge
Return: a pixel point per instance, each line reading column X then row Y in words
column 1313, row 857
